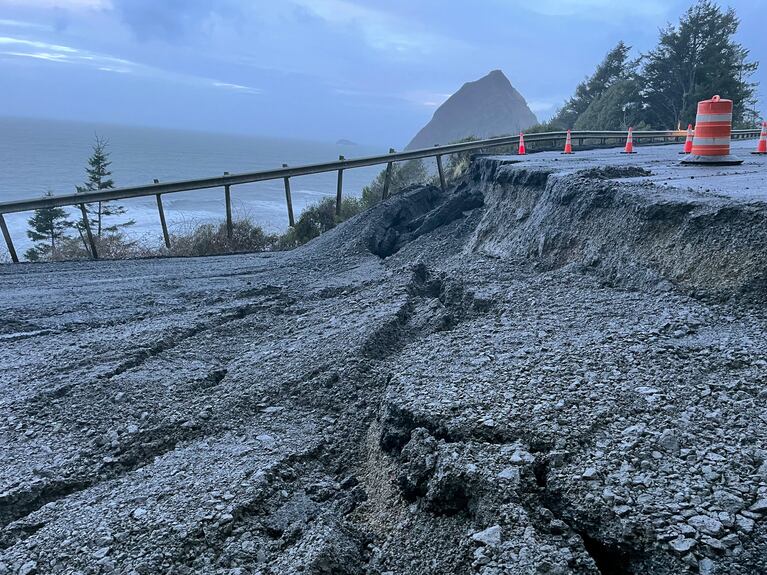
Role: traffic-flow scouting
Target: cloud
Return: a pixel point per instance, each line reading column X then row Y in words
column 598, row 9
column 425, row 98
column 6, row 40
column 541, row 105
column 381, row 30
column 38, row 50
column 62, row 4
column 20, row 24
column 420, row 98
column 236, row 87
column 173, row 19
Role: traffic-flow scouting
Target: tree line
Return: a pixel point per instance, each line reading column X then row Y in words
column 693, row 60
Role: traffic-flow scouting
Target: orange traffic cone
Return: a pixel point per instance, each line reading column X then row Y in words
column 629, row 143
column 568, row 144
column 761, row 148
column 522, row 149
column 688, row 141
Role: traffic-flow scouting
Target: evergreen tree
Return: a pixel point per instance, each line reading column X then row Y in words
column 618, row 108
column 99, row 178
column 693, row 61
column 616, row 66
column 47, row 227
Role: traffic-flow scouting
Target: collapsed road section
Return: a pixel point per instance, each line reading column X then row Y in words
column 553, row 367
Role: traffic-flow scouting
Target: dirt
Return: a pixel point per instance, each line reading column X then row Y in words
column 542, row 370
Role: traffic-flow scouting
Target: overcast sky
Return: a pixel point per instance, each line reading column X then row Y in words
column 369, row 70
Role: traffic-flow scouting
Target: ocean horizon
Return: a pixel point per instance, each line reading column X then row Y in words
column 40, row 155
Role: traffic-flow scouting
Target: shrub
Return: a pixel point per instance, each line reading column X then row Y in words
column 403, row 175
column 318, row 219
column 115, row 246
column 212, row 239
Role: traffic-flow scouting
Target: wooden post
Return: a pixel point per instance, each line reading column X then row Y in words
column 228, row 201
column 387, row 178
column 8, row 240
column 289, row 200
column 339, row 188
column 89, row 233
column 165, row 235
column 441, row 173
column 228, row 204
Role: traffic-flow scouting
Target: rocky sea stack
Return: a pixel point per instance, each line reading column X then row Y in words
column 485, row 108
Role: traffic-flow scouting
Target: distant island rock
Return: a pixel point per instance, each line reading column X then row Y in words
column 485, row 108
column 343, row 142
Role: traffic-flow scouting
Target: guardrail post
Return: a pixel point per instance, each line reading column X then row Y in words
column 441, row 173
column 165, row 235
column 289, row 200
column 8, row 240
column 339, row 188
column 228, row 202
column 387, row 177
column 89, row 233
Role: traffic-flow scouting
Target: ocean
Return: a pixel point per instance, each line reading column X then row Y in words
column 37, row 156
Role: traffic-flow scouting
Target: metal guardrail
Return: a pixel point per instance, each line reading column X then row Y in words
column 157, row 189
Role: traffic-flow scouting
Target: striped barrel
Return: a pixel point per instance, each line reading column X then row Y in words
column 713, row 129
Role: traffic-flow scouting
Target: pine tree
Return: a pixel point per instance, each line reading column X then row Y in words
column 47, row 227
column 615, row 67
column 99, row 178
column 694, row 61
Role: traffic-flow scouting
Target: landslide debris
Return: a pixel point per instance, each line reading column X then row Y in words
column 449, row 383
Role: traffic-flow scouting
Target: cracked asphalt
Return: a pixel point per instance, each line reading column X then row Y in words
column 545, row 370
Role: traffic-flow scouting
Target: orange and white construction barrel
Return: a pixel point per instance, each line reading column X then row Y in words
column 713, row 130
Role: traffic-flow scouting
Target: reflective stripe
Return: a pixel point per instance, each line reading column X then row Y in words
column 703, row 118
column 711, row 141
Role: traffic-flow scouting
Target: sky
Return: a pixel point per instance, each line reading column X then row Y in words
column 372, row 71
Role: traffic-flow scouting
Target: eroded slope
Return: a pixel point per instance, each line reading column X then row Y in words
column 539, row 372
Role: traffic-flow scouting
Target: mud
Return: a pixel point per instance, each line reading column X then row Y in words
column 548, row 369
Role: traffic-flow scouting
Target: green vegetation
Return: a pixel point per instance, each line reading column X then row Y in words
column 321, row 217
column 693, row 60
column 47, row 227
column 212, row 239
column 99, row 178
column 403, row 175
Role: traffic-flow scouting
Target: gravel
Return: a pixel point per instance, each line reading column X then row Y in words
column 541, row 371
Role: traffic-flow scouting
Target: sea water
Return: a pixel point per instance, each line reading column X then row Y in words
column 37, row 156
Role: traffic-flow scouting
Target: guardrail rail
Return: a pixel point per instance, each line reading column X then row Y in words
column 284, row 173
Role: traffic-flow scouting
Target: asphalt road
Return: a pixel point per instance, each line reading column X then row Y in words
column 745, row 182
column 524, row 375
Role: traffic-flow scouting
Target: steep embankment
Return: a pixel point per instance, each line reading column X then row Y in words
column 448, row 383
column 633, row 234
